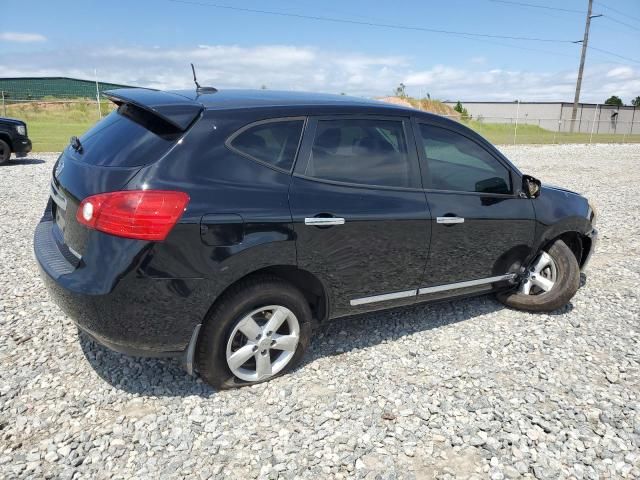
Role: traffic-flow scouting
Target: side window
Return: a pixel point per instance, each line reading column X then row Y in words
column 370, row 152
column 275, row 143
column 458, row 163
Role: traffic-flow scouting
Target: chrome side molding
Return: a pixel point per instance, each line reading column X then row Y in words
column 323, row 221
column 383, row 298
column 470, row 283
column 426, row 290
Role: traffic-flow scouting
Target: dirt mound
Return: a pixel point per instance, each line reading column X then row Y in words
column 396, row 101
column 433, row 106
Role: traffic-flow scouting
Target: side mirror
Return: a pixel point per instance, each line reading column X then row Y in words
column 531, row 186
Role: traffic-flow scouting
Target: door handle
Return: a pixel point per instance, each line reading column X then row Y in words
column 323, row 221
column 449, row 220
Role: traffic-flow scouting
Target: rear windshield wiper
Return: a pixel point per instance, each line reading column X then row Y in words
column 75, row 144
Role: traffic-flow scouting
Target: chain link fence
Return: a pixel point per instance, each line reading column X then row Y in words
column 520, row 131
column 52, row 122
column 57, row 108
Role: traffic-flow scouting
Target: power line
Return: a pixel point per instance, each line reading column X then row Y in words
column 532, row 5
column 548, row 52
column 520, row 47
column 618, row 11
column 609, row 17
column 606, row 59
column 613, row 54
column 566, row 10
column 467, row 35
column 370, row 24
column 350, row 13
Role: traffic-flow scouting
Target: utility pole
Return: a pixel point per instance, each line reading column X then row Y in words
column 95, row 74
column 584, row 41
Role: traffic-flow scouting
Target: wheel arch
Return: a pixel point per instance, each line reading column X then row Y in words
column 306, row 282
column 573, row 231
column 309, row 284
column 578, row 243
column 7, row 138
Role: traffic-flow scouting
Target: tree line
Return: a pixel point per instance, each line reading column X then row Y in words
column 617, row 101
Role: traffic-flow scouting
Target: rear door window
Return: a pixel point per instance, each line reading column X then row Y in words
column 457, row 163
column 274, row 142
column 361, row 151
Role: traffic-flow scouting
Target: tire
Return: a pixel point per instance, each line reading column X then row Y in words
column 5, row 152
column 566, row 284
column 255, row 298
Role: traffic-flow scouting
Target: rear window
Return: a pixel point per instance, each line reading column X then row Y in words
column 127, row 137
column 274, row 142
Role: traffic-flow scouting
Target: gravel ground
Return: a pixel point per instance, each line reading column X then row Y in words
column 464, row 389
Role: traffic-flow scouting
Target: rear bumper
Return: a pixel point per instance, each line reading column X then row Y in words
column 22, row 146
column 124, row 311
column 127, row 349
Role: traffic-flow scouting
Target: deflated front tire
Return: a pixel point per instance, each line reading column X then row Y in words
column 550, row 282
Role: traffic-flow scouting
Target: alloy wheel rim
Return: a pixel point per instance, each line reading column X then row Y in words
column 263, row 343
column 541, row 276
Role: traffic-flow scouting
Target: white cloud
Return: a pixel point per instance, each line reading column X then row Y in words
column 455, row 83
column 309, row 68
column 20, row 37
column 277, row 66
column 622, row 73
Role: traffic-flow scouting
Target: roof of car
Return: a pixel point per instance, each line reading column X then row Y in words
column 180, row 107
column 230, row 99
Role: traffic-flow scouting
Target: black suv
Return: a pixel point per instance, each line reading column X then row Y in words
column 13, row 139
column 223, row 227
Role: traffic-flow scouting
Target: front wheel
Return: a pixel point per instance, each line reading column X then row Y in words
column 260, row 329
column 549, row 283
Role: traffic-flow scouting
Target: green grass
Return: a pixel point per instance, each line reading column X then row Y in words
column 52, row 124
column 503, row 134
column 53, row 136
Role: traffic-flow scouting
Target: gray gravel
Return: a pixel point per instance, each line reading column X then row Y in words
column 465, row 389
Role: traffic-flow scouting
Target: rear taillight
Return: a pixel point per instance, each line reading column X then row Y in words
column 139, row 214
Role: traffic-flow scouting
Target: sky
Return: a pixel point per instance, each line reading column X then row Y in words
column 151, row 43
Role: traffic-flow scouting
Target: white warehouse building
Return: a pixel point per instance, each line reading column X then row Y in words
column 556, row 116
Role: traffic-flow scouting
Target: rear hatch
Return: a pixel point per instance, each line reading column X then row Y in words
column 144, row 127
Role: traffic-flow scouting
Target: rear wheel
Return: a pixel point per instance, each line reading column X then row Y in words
column 5, row 152
column 259, row 330
column 549, row 283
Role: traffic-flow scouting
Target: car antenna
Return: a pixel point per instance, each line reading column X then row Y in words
column 200, row 89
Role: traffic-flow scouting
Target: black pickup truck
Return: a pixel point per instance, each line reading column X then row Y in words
column 13, row 139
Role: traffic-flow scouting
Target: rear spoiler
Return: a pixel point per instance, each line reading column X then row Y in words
column 175, row 109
